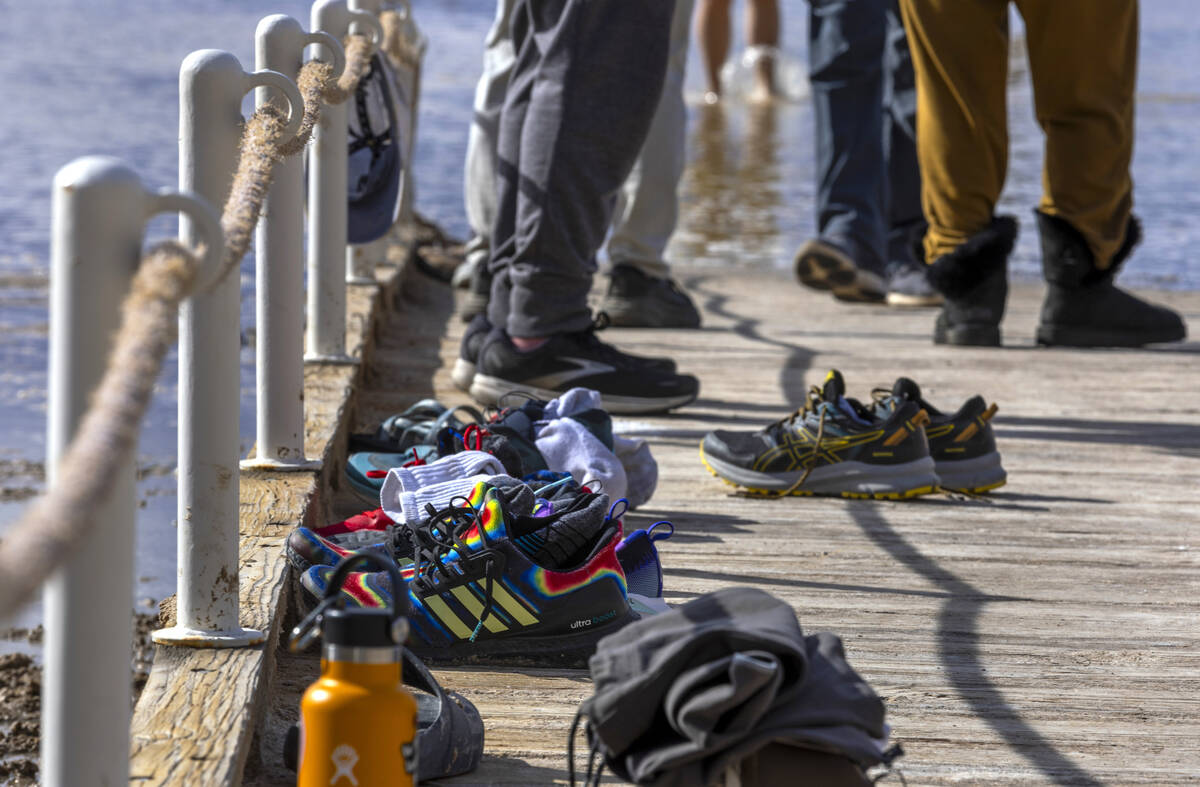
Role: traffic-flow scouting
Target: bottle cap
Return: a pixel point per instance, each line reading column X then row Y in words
column 362, row 628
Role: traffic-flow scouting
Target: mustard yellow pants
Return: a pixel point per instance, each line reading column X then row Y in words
column 1083, row 60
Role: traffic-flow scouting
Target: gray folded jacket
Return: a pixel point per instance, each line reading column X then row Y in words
column 681, row 696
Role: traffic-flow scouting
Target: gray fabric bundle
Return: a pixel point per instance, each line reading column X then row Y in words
column 681, row 696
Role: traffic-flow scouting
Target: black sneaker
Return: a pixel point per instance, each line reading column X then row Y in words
column 489, row 586
column 823, row 266
column 833, row 446
column 635, row 300
column 463, row 373
column 962, row 444
column 626, row 383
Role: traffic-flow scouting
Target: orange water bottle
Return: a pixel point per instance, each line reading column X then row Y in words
column 358, row 723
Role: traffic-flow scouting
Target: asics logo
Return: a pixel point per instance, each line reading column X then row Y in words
column 586, row 368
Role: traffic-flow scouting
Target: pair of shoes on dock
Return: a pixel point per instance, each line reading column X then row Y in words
column 506, row 575
column 898, row 447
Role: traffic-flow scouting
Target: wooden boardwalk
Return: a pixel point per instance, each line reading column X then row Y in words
column 1046, row 634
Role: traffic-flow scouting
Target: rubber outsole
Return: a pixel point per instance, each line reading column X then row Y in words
column 968, row 336
column 973, row 476
column 820, row 269
column 564, row 650
column 643, row 313
column 489, row 390
column 1070, row 336
column 927, row 486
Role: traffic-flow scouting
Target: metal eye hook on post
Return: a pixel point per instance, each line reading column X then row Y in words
column 362, row 14
column 207, row 225
column 274, row 79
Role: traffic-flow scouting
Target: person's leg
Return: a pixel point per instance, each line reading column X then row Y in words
column 907, row 284
column 960, row 56
column 588, row 77
column 641, row 292
column 845, row 50
column 762, row 31
column 1085, row 105
column 479, row 176
column 713, row 34
column 508, row 154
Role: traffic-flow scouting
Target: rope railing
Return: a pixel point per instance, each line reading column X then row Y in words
column 47, row 532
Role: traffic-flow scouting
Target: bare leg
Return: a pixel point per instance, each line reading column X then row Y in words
column 712, row 31
column 762, row 30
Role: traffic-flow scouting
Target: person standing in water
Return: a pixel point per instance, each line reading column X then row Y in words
column 713, row 32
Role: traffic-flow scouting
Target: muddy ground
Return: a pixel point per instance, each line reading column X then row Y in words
column 21, row 697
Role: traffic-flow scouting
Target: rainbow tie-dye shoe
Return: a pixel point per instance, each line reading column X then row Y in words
column 523, row 588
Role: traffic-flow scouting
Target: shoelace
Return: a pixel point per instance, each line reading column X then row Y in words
column 434, row 540
column 816, row 398
column 591, row 779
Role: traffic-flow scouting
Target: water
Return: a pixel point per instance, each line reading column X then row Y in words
column 100, row 76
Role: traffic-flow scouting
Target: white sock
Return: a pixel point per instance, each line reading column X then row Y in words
column 448, row 468
column 568, row 446
column 408, row 506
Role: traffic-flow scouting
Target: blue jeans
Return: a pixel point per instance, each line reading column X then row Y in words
column 865, row 106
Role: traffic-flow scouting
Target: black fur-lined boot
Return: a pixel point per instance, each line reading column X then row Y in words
column 1083, row 308
column 973, row 280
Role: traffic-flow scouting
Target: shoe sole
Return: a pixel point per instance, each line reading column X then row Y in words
column 627, row 313
column 854, row 480
column 820, row 269
column 488, row 390
column 969, row 336
column 1070, row 336
column 563, row 650
column 974, row 476
column 463, row 374
column 913, row 301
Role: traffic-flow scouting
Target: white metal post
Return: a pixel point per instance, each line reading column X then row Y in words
column 328, row 199
column 99, row 213
column 279, row 44
column 211, row 86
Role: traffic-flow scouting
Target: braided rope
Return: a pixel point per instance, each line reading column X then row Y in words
column 50, row 529
column 54, row 524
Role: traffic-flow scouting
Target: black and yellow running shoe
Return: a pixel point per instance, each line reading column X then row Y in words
column 961, row 443
column 832, row 446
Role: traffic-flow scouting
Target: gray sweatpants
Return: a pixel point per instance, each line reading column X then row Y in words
column 648, row 204
column 585, row 84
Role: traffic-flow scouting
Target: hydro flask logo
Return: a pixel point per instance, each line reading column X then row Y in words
column 344, row 760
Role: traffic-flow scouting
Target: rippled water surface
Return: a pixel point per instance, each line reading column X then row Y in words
column 100, row 76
